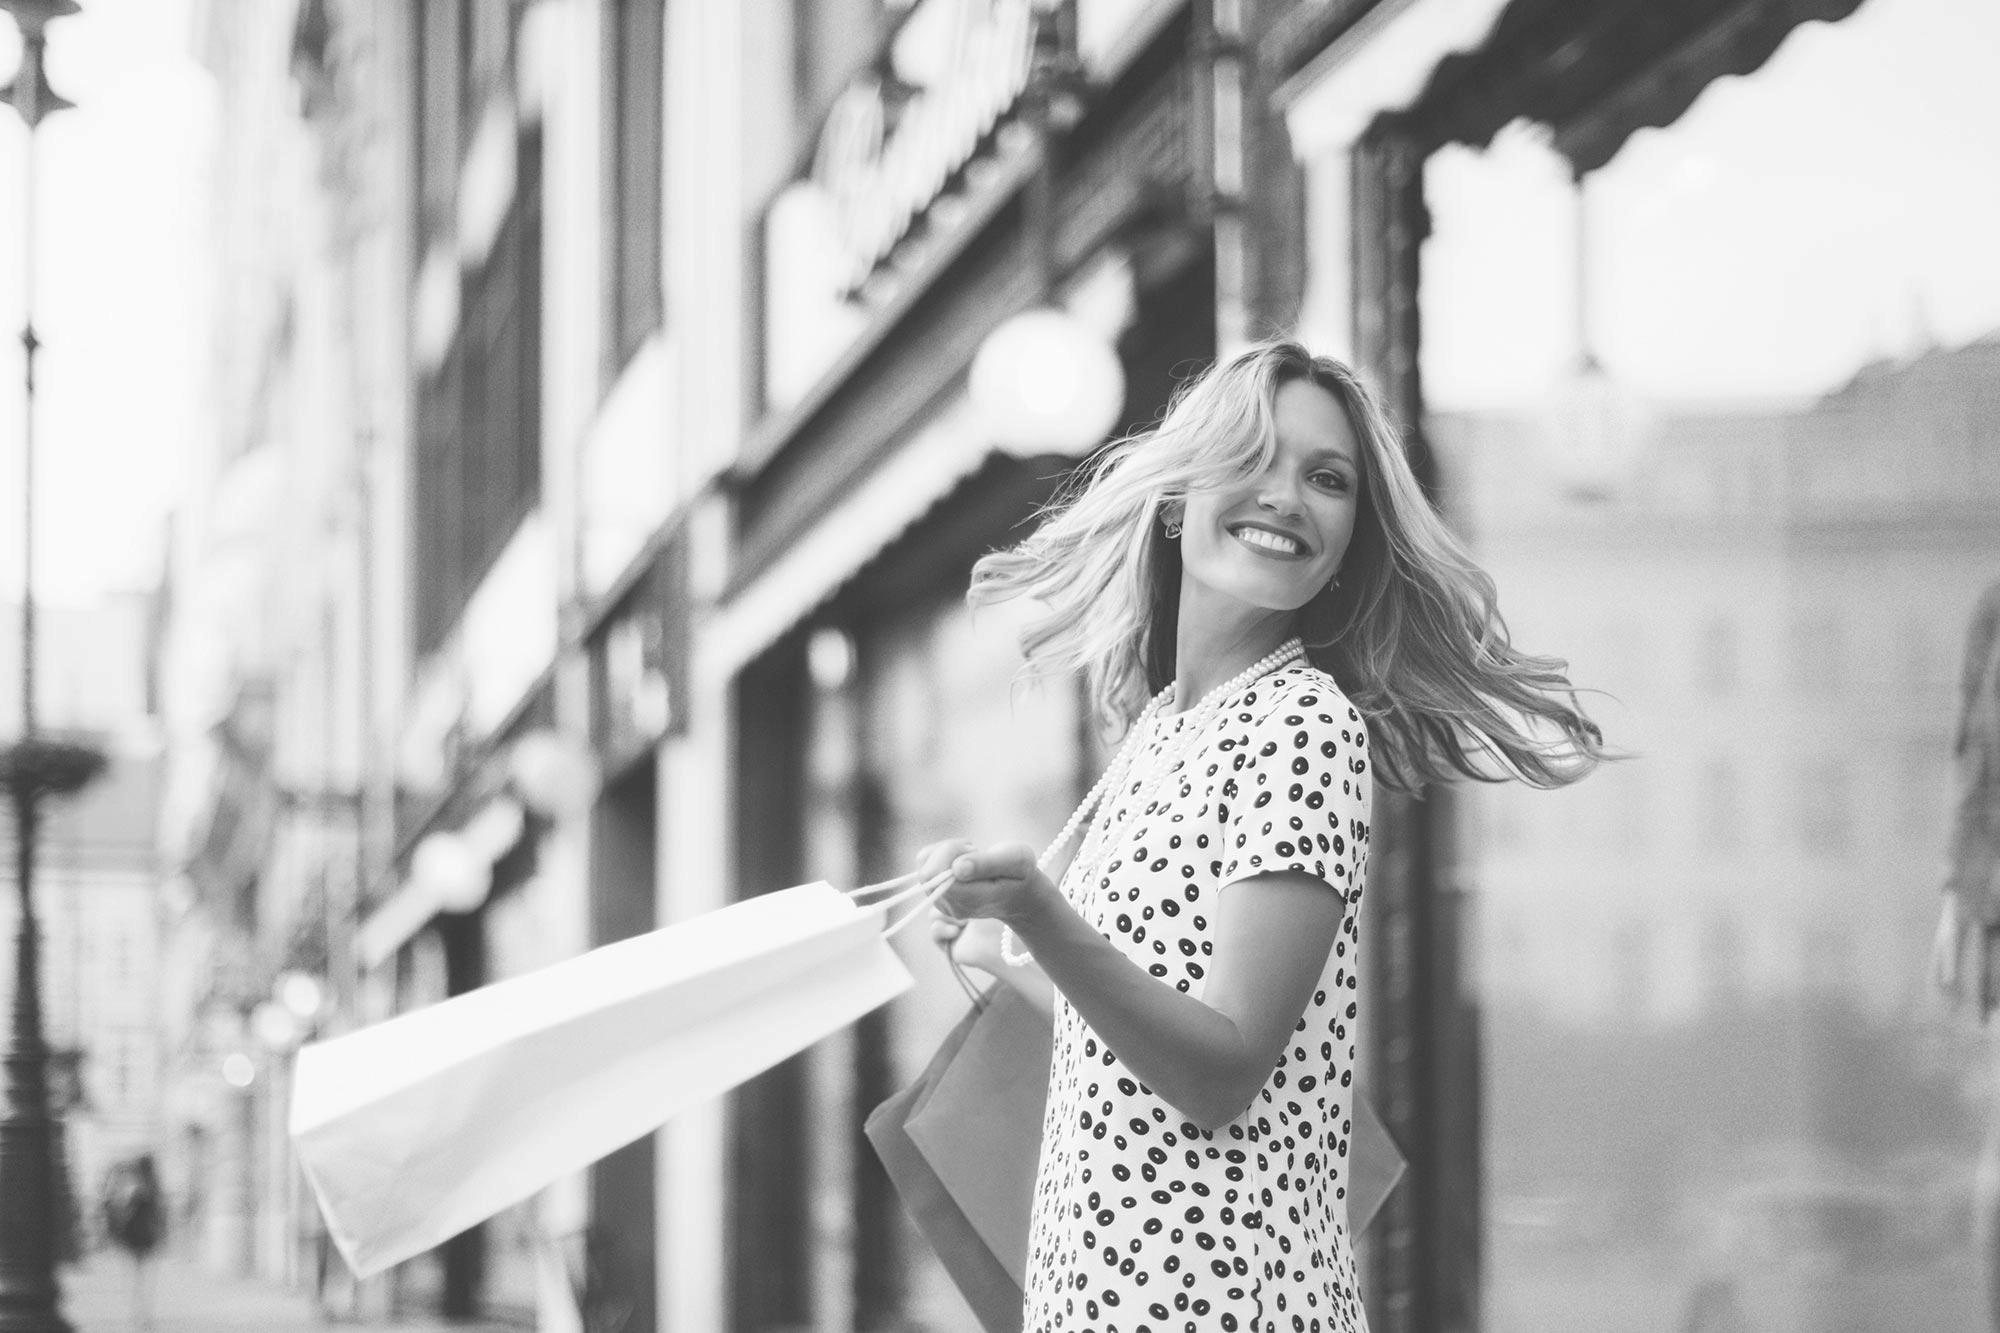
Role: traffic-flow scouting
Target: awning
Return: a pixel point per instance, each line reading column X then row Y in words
column 1593, row 73
column 920, row 475
column 1382, row 63
column 870, row 518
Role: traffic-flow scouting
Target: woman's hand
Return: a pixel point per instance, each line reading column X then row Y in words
column 974, row 943
column 993, row 886
column 999, row 882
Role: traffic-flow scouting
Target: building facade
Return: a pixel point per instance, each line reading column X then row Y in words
column 284, row 608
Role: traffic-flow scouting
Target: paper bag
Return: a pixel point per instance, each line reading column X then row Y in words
column 981, row 1125
column 988, row 1286
column 417, row 1128
column 1374, row 1166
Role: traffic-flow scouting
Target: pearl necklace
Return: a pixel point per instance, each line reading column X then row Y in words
column 1113, row 778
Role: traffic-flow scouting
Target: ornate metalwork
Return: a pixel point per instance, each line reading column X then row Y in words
column 46, row 766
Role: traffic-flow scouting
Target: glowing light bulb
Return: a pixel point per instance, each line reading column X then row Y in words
column 1044, row 382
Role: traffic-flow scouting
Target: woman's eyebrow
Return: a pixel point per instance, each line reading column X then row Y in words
column 1328, row 454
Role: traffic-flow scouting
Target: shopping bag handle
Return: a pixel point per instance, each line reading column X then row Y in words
column 888, row 888
column 891, row 893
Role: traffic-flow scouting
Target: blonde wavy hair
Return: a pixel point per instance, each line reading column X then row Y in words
column 1413, row 633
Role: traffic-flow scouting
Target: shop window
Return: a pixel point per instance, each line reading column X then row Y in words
column 634, row 65
column 479, row 421
column 1791, row 499
column 439, row 70
column 461, row 53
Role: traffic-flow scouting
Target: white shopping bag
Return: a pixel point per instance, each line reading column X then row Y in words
column 417, row 1128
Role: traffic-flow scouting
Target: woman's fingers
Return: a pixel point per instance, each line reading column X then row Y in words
column 978, row 945
column 933, row 859
column 986, row 881
column 990, row 881
column 1007, row 861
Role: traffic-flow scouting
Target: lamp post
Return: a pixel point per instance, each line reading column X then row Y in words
column 281, row 1024
column 32, row 769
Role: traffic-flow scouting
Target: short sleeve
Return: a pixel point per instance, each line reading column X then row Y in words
column 1295, row 785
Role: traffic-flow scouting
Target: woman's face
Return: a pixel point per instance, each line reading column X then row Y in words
column 1275, row 540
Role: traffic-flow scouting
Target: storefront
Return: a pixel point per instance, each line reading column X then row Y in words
column 1676, row 304
column 873, row 713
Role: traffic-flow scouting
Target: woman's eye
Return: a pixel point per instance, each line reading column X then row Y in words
column 1335, row 481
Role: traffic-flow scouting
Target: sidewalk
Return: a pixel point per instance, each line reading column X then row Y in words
column 97, row 1298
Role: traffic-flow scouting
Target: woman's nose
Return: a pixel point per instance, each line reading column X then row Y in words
column 1278, row 494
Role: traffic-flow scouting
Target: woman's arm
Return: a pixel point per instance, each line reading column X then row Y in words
column 1206, row 1057
column 1293, row 802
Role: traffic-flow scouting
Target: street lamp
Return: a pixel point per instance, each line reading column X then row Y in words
column 1593, row 426
column 1044, row 382
column 299, row 1004
column 34, row 768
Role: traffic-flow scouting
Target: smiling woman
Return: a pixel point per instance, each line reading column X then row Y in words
column 1260, row 596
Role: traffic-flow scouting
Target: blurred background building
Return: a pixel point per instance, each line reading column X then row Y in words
column 597, row 460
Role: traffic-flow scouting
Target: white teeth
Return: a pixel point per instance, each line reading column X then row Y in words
column 1270, row 541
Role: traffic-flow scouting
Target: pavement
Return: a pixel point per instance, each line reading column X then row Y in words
column 97, row 1298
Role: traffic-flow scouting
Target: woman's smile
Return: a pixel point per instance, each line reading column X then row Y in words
column 1269, row 541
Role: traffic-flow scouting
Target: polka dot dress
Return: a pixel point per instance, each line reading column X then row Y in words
column 1143, row 1222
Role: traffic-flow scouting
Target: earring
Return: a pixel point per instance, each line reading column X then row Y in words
column 1173, row 527
column 1336, row 582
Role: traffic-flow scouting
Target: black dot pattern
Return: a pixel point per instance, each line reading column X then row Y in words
column 1145, row 1223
